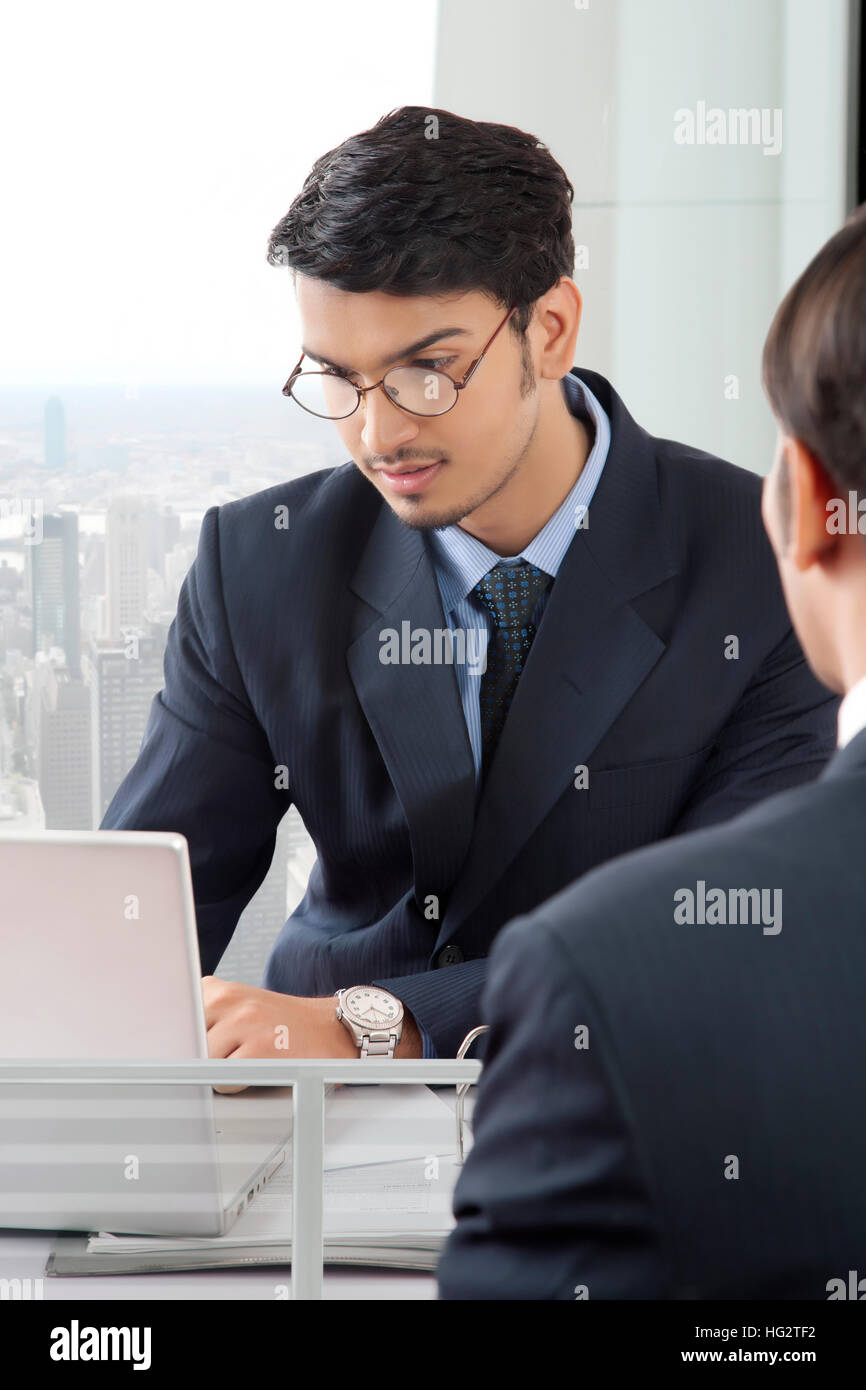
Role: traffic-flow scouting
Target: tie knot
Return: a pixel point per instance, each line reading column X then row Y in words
column 511, row 592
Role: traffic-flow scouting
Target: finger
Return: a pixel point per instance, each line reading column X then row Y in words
column 210, row 998
column 219, row 995
column 227, row 1037
column 217, row 1052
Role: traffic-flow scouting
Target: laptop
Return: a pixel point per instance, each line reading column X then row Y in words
column 99, row 960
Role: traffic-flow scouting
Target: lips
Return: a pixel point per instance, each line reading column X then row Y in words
column 405, row 480
column 399, row 472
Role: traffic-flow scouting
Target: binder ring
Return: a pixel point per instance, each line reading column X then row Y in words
column 463, row 1086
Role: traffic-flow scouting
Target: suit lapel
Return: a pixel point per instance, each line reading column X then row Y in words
column 591, row 653
column 414, row 711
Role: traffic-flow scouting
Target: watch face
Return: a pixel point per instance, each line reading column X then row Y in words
column 371, row 1007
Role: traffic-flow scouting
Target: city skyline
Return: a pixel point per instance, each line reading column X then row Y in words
column 98, row 528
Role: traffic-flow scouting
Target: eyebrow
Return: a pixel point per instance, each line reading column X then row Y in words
column 430, row 339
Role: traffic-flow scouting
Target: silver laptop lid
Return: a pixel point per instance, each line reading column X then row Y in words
column 98, row 946
column 99, row 959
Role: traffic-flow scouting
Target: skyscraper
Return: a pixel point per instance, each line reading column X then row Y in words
column 54, row 581
column 124, row 676
column 126, row 537
column 62, row 724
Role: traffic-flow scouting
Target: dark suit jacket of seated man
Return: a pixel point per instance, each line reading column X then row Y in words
column 664, row 664
column 671, row 1106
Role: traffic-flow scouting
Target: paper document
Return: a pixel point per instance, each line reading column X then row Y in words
column 389, row 1178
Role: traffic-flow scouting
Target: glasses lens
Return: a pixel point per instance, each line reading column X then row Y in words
column 325, row 394
column 422, row 392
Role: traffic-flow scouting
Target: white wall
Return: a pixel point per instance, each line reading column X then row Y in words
column 690, row 247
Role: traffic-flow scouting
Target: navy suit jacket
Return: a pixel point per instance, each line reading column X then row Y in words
column 710, row 1141
column 273, row 662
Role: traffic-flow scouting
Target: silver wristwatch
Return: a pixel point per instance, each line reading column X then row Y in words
column 373, row 1017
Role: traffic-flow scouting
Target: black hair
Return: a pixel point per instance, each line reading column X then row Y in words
column 426, row 202
column 814, row 360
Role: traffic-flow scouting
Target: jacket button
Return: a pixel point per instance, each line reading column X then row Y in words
column 450, row 955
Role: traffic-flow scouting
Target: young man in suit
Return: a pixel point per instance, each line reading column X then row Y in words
column 505, row 540
column 671, row 1102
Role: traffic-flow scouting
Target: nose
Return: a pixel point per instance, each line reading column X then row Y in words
column 386, row 427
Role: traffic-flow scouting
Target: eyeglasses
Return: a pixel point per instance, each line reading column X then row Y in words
column 333, row 396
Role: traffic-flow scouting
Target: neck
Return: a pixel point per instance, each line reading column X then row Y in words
column 851, row 645
column 543, row 477
column 830, row 625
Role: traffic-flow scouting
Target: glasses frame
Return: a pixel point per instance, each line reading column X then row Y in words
column 361, row 391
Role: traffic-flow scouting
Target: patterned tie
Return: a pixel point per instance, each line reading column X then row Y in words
column 510, row 592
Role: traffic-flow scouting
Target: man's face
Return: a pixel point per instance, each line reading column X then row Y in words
column 474, row 449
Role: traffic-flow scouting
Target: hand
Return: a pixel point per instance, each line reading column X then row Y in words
column 243, row 1021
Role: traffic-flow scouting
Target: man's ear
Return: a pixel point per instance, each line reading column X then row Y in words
column 559, row 312
column 810, row 489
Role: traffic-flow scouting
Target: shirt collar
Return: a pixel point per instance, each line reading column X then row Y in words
column 851, row 716
column 462, row 560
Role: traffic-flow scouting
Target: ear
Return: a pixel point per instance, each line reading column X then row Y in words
column 559, row 312
column 811, row 488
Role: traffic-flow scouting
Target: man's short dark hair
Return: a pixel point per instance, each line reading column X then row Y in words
column 426, row 202
column 814, row 362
